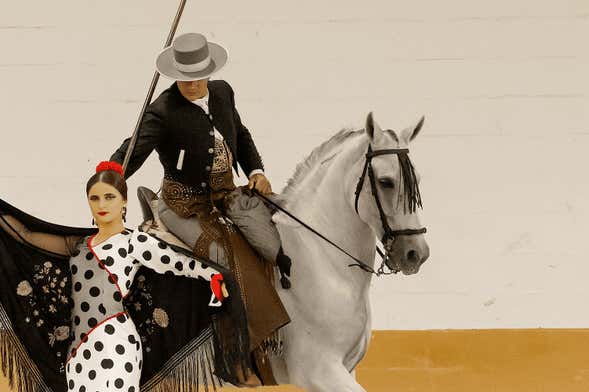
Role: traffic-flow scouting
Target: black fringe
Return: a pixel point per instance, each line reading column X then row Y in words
column 189, row 369
column 231, row 347
column 410, row 192
column 22, row 373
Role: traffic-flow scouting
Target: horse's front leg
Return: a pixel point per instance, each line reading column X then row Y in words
column 320, row 371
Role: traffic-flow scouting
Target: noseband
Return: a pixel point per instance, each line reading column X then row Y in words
column 412, row 200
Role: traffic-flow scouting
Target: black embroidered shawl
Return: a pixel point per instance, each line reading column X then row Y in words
column 185, row 342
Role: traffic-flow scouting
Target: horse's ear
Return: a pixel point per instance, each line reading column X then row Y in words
column 371, row 126
column 410, row 133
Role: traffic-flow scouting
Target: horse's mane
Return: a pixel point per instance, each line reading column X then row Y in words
column 316, row 157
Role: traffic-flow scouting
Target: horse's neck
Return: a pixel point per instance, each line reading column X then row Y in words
column 323, row 202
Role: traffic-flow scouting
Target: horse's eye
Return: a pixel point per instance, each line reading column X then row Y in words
column 386, row 182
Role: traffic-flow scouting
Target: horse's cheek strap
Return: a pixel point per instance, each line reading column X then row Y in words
column 383, row 217
column 360, row 184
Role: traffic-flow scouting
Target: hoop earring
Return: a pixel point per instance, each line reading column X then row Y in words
column 124, row 214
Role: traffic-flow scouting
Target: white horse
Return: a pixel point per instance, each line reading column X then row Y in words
column 357, row 187
column 329, row 301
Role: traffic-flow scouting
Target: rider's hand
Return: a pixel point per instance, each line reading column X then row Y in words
column 260, row 183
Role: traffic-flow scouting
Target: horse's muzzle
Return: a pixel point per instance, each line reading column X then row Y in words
column 406, row 254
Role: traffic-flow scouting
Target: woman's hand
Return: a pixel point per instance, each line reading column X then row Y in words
column 49, row 242
column 10, row 224
column 218, row 287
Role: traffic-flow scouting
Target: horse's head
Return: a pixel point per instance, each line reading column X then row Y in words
column 387, row 196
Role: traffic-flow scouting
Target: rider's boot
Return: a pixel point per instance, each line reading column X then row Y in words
column 284, row 264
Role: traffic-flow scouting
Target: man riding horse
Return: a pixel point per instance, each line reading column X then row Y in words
column 197, row 132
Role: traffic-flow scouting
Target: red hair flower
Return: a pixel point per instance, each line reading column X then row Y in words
column 109, row 165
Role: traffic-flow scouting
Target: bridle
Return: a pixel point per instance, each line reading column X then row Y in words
column 409, row 181
column 389, row 234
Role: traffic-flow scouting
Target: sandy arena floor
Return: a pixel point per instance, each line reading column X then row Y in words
column 535, row 360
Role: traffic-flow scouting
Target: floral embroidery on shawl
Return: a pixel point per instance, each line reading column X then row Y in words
column 148, row 319
column 47, row 303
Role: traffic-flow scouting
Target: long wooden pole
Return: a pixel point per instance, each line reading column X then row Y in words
column 154, row 81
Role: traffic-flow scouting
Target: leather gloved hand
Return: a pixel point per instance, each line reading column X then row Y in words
column 259, row 182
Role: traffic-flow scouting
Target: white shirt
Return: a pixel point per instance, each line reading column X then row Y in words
column 203, row 102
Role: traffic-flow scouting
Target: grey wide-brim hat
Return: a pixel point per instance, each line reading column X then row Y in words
column 191, row 57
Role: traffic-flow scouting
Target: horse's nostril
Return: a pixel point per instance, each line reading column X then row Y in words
column 412, row 256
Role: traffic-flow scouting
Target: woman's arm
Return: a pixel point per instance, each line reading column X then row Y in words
column 62, row 245
column 157, row 255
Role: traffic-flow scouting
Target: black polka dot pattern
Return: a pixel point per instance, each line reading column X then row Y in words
column 102, row 276
column 156, row 254
column 118, row 367
column 107, row 363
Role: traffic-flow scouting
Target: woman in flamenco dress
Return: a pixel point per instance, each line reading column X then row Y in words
column 111, row 309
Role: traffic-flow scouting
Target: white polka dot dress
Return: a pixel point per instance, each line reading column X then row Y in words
column 106, row 353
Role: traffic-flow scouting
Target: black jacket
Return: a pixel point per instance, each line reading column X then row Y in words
column 172, row 123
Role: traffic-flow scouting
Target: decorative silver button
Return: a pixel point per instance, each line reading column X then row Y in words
column 212, row 133
column 203, row 184
column 211, row 150
column 208, row 168
column 211, row 116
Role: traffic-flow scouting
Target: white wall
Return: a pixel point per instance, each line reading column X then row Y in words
column 503, row 154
